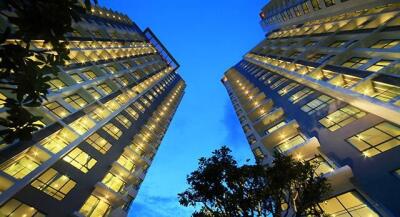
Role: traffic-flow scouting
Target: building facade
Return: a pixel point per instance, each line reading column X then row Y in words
column 107, row 112
column 324, row 87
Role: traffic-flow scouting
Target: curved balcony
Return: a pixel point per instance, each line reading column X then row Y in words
column 273, row 139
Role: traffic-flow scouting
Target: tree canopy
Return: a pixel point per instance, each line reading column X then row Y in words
column 221, row 188
column 24, row 71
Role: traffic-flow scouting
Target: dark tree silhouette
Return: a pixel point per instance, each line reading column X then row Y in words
column 24, row 71
column 221, row 188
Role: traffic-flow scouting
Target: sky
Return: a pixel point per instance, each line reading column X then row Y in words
column 206, row 37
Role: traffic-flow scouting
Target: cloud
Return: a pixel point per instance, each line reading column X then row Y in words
column 158, row 206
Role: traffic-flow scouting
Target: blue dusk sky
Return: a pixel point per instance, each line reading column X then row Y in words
column 206, row 37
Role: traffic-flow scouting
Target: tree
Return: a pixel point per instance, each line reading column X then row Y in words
column 25, row 71
column 221, row 188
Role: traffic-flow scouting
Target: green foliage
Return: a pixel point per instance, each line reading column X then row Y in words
column 221, row 188
column 24, row 71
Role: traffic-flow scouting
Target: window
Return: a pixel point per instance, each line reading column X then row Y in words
column 114, row 131
column 310, row 43
column 355, row 62
column 57, row 109
column 397, row 173
column 2, row 100
column 21, row 167
column 322, row 167
column 80, row 160
column 290, row 143
column 58, row 140
column 316, row 57
column 56, row 84
column 82, row 125
column 258, row 153
column 124, row 121
column 113, row 182
column 99, row 143
column 315, row 5
column 15, row 208
column 132, row 113
column 77, row 78
column 337, row 44
column 54, row 184
column 301, row 94
column 317, row 104
column 277, row 126
column 111, row 69
column 305, row 8
column 386, row 43
column 379, row 65
column 329, row 3
column 278, row 83
column 90, row 75
column 347, row 204
column 95, row 207
column 377, row 139
column 126, row 163
column 104, row 87
column 95, row 94
column 139, row 106
column 76, row 101
column 341, row 117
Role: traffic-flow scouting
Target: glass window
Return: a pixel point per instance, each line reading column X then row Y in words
column 111, row 69
column 386, row 43
column 57, row 109
column 82, row 125
column 277, row 126
column 315, row 5
column 132, row 113
column 58, row 140
column 305, row 8
column 124, row 121
column 80, row 160
column 126, row 163
column 114, row 131
column 258, row 153
column 77, row 78
column 99, row 143
column 355, row 62
column 301, row 94
column 337, row 44
column 139, row 106
column 290, row 143
column 90, row 75
column 15, row 208
column 76, row 101
column 278, row 83
column 21, row 167
column 329, row 3
column 114, row 182
column 379, row 65
column 377, row 139
column 2, row 100
column 321, row 165
column 95, row 207
column 317, row 104
column 95, row 94
column 316, row 57
column 56, row 84
column 54, row 184
column 341, row 117
column 347, row 204
column 104, row 87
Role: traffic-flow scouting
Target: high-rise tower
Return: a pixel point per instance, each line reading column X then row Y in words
column 106, row 114
column 324, row 87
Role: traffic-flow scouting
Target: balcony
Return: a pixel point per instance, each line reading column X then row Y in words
column 339, row 179
column 118, row 212
column 272, row 139
column 115, row 198
column 307, row 150
column 267, row 120
column 265, row 108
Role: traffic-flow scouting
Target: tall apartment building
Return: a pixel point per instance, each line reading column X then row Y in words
column 324, row 87
column 106, row 114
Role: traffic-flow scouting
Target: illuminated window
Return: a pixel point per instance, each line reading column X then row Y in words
column 82, row 125
column 382, row 91
column 104, row 87
column 278, row 83
column 337, row 44
column 114, row 131
column 56, row 84
column 355, row 62
column 54, row 184
column 315, row 5
column 95, row 207
column 21, row 167
column 321, row 166
column 258, row 153
column 132, row 113
column 305, row 8
column 317, row 104
column 99, row 114
column 397, row 173
column 341, row 117
column 77, row 78
column 111, row 69
column 329, row 3
column 126, row 163
column 2, row 100
column 301, row 94
column 385, row 44
column 139, row 106
column 113, row 182
column 80, row 160
column 124, row 80
column 57, row 109
column 76, row 101
column 347, row 204
column 379, row 65
column 316, row 57
column 377, row 139
column 290, row 143
column 124, row 121
column 58, row 140
column 15, row 208
column 95, row 94
column 275, row 127
column 99, row 143
column 90, row 75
